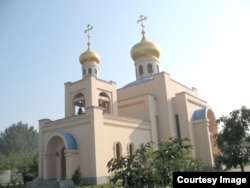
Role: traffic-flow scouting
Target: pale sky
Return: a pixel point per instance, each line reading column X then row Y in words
column 204, row 44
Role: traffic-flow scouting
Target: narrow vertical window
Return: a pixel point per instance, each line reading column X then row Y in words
column 131, row 149
column 89, row 71
column 157, row 68
column 178, row 126
column 150, row 68
column 118, row 150
column 95, row 71
column 84, row 71
column 141, row 70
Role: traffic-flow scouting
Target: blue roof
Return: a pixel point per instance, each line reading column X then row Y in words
column 200, row 114
column 141, row 80
column 71, row 142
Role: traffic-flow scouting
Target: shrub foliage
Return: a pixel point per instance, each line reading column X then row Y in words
column 154, row 167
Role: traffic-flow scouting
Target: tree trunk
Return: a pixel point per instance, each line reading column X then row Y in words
column 242, row 167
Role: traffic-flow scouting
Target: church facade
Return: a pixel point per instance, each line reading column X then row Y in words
column 102, row 122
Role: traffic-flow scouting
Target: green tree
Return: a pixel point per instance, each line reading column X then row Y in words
column 10, row 161
column 234, row 140
column 4, row 162
column 174, row 155
column 28, row 166
column 19, row 150
column 148, row 167
column 134, row 170
column 25, row 163
column 19, row 138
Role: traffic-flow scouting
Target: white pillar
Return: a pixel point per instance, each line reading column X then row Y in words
column 69, row 173
column 45, row 164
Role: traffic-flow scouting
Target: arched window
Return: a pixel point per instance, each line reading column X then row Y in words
column 131, row 148
column 118, row 150
column 95, row 71
column 84, row 71
column 89, row 71
column 141, row 70
column 157, row 68
column 104, row 102
column 150, row 68
column 79, row 104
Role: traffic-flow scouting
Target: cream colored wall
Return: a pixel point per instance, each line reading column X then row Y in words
column 124, row 130
column 98, row 148
column 157, row 88
column 141, row 107
column 108, row 129
column 164, row 90
column 173, row 89
column 135, row 107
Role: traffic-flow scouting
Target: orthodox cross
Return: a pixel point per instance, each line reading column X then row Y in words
column 89, row 28
column 140, row 21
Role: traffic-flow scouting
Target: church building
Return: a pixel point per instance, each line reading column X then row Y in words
column 103, row 122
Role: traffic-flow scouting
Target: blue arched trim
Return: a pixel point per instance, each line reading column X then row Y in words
column 70, row 140
column 200, row 114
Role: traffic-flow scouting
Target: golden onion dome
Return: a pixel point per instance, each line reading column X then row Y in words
column 89, row 56
column 145, row 48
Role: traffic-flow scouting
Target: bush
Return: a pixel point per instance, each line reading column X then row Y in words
column 76, row 177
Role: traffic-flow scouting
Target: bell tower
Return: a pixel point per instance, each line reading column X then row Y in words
column 90, row 91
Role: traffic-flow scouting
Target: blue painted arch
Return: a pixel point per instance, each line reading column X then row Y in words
column 200, row 114
column 68, row 139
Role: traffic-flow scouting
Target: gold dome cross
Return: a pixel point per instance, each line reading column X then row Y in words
column 140, row 21
column 89, row 28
